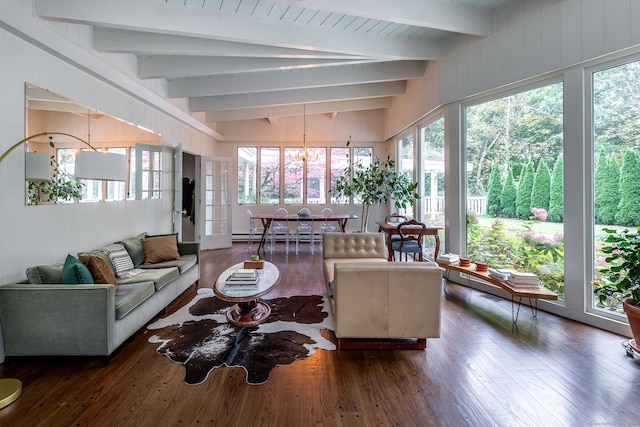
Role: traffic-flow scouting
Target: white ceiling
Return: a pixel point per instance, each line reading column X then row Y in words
column 249, row 59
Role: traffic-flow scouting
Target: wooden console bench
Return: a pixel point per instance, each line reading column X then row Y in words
column 516, row 292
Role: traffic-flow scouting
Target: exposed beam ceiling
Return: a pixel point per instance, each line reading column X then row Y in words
column 251, row 59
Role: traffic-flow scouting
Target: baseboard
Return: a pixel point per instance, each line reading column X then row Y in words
column 382, row 344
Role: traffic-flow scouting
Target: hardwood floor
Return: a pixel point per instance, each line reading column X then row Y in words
column 548, row 372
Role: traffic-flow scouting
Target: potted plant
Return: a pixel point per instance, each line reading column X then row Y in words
column 376, row 183
column 60, row 188
column 620, row 280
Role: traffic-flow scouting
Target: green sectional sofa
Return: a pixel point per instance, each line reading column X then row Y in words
column 43, row 315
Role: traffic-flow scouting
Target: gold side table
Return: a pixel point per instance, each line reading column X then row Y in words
column 10, row 390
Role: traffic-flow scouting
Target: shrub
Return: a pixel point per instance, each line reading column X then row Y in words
column 494, row 191
column 525, row 186
column 508, row 196
column 556, row 197
column 540, row 193
column 629, row 207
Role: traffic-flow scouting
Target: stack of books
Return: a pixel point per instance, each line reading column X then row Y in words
column 243, row 278
column 448, row 259
column 501, row 274
column 523, row 280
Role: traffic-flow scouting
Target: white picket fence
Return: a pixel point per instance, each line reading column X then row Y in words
column 435, row 205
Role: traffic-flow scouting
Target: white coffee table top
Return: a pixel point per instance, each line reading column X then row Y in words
column 269, row 277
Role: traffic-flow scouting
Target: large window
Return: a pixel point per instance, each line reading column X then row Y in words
column 339, row 160
column 270, row 175
column 363, row 156
column 317, row 176
column 515, row 209
column 293, row 175
column 117, row 190
column 92, row 190
column 405, row 164
column 247, row 169
column 302, row 181
column 431, row 173
column 616, row 138
column 148, row 174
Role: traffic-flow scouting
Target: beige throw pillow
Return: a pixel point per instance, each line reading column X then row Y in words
column 160, row 248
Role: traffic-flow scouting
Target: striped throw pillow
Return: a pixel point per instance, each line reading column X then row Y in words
column 120, row 260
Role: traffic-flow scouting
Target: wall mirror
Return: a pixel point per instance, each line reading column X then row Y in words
column 51, row 175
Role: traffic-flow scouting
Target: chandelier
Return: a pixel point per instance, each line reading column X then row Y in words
column 304, row 154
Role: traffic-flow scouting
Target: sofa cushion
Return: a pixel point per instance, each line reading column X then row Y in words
column 130, row 296
column 43, row 274
column 100, row 270
column 134, row 247
column 74, row 272
column 329, row 264
column 184, row 263
column 160, row 249
column 159, row 276
column 354, row 245
column 120, row 259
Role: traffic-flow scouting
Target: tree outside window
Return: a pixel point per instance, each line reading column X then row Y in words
column 616, row 144
column 514, row 183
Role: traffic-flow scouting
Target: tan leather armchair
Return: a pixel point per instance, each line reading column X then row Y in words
column 380, row 304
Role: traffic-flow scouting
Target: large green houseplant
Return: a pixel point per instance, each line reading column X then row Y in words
column 61, row 187
column 375, row 183
column 620, row 279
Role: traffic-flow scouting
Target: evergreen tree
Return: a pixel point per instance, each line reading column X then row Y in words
column 610, row 197
column 556, row 198
column 599, row 189
column 629, row 207
column 525, row 186
column 494, row 191
column 540, row 193
column 508, row 196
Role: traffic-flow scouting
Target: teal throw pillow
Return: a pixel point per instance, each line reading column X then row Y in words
column 74, row 272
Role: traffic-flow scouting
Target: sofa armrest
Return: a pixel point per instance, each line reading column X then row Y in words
column 58, row 319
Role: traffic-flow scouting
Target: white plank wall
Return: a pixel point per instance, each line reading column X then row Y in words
column 526, row 40
column 45, row 234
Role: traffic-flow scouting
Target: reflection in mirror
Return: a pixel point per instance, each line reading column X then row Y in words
column 76, row 127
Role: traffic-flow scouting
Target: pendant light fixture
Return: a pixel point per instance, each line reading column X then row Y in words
column 304, row 154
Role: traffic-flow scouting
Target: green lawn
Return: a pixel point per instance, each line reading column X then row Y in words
column 542, row 227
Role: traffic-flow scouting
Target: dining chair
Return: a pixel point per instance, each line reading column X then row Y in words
column 411, row 236
column 280, row 226
column 395, row 218
column 253, row 229
column 327, row 225
column 304, row 225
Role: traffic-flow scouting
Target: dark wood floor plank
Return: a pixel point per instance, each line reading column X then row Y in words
column 482, row 371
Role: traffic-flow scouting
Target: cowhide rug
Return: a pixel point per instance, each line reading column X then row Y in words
column 199, row 336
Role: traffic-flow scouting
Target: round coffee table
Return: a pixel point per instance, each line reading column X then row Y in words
column 248, row 310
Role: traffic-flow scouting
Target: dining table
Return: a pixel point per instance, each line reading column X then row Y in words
column 391, row 228
column 266, row 219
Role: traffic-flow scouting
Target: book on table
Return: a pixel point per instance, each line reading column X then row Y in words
column 449, row 258
column 245, row 277
column 245, row 272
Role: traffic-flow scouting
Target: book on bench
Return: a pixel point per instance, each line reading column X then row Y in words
column 523, row 280
column 449, row 258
